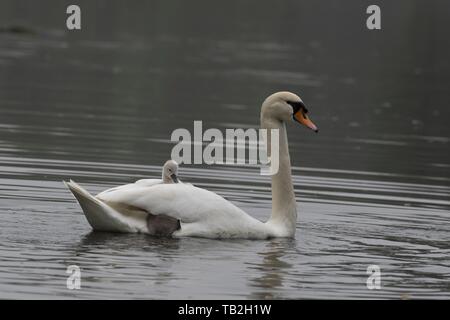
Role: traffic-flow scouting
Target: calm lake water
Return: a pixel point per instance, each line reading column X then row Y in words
column 99, row 106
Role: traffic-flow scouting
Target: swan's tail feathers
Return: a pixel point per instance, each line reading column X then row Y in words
column 100, row 216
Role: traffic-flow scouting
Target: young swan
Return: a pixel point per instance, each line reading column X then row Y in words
column 169, row 175
column 170, row 172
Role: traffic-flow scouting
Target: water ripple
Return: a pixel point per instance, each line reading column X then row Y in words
column 347, row 221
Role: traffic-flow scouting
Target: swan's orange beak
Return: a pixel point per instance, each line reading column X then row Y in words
column 302, row 118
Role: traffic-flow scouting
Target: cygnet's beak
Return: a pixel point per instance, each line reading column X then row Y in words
column 301, row 117
column 174, row 178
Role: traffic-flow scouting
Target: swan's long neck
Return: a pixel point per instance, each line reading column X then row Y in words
column 284, row 211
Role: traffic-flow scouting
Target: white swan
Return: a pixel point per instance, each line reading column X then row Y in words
column 181, row 210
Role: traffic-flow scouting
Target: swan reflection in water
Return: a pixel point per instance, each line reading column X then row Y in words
column 164, row 267
column 272, row 269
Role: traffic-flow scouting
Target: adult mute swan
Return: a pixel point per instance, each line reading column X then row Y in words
column 182, row 210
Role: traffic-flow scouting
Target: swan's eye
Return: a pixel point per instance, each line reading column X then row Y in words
column 297, row 106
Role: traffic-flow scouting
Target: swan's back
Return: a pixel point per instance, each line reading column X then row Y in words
column 201, row 212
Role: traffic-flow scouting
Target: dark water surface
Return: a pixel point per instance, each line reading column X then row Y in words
column 99, row 106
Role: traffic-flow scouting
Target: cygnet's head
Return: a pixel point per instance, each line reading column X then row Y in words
column 170, row 172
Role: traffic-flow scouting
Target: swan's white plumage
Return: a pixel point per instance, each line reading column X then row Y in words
column 131, row 186
column 148, row 182
column 201, row 212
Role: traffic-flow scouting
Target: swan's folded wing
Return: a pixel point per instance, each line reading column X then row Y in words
column 181, row 201
column 148, row 182
column 122, row 187
column 139, row 183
